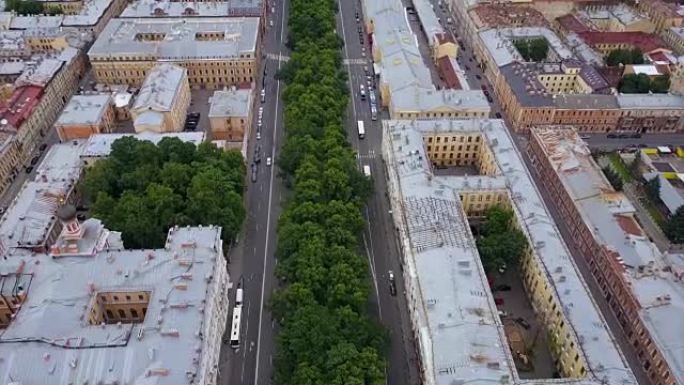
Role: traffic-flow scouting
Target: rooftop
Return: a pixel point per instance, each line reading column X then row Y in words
column 160, row 88
column 178, row 38
column 85, row 109
column 458, row 321
column 571, row 23
column 100, row 145
column 428, row 19
column 499, row 43
column 505, row 15
column 417, row 99
column 19, row 107
column 166, row 8
column 650, row 101
column 50, row 339
column 644, row 41
column 602, row 209
column 230, row 103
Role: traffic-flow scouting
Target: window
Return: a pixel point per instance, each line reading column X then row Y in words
column 122, row 314
column 110, row 315
column 134, row 314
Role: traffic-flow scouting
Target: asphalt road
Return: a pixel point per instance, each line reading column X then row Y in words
column 379, row 239
column 252, row 256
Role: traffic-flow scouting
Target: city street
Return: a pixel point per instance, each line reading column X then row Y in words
column 380, row 241
column 252, row 256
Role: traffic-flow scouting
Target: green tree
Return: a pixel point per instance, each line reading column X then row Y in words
column 624, row 56
column 652, row 188
column 24, row 7
column 501, row 243
column 660, row 84
column 674, row 227
column 613, row 178
column 539, row 48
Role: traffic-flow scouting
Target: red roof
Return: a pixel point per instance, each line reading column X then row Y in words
column 646, row 42
column 660, row 57
column 444, row 38
column 448, row 73
column 571, row 23
column 19, row 106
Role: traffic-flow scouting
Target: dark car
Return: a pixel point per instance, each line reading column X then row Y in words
column 642, row 145
column 611, row 136
column 478, row 77
column 522, row 322
column 636, row 135
column 623, row 136
column 489, row 99
column 485, row 92
column 498, row 115
column 194, row 115
column 467, row 68
column 29, row 169
column 501, row 287
column 42, row 147
column 392, row 283
column 34, row 160
column 254, row 172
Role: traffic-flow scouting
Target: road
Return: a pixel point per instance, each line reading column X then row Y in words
column 252, row 256
column 379, row 239
column 596, row 140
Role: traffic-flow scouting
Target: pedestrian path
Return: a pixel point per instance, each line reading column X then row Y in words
column 355, row 62
column 272, row 56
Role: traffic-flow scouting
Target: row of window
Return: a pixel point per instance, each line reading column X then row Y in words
column 460, row 139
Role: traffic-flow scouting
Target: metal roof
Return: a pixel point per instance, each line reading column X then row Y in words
column 85, row 109
column 236, row 102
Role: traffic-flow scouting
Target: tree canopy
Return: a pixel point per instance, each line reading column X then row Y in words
column 674, row 227
column 613, row 178
column 532, row 49
column 643, row 84
column 501, row 244
column 652, row 187
column 142, row 190
column 624, row 56
column 31, row 7
column 326, row 336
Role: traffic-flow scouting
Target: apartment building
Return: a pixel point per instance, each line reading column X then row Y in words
column 215, row 51
column 86, row 115
column 642, row 286
column 662, row 14
column 442, row 268
column 163, row 100
column 674, row 37
column 231, row 114
column 190, row 9
column 605, row 42
column 617, row 18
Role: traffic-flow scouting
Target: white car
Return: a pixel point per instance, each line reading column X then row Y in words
column 268, row 161
column 258, row 135
column 263, row 95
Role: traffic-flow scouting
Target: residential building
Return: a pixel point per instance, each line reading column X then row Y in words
column 652, row 113
column 605, row 42
column 215, row 51
column 86, row 115
column 443, row 272
column 642, row 286
column 506, row 15
column 190, row 9
column 417, row 103
column 662, row 14
column 230, row 114
column 674, row 37
column 9, row 154
column 617, row 18
column 163, row 100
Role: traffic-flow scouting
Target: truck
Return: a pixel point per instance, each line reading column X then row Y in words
column 362, row 130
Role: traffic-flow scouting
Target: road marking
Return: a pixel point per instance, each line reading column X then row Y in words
column 270, row 199
column 346, row 54
column 244, row 353
column 371, row 263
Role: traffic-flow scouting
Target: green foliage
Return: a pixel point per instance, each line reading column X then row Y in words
column 24, row 7
column 674, row 227
column 532, row 49
column 643, row 84
column 53, row 10
column 326, row 336
column 624, row 56
column 142, row 190
column 613, row 178
column 501, row 243
column 652, row 188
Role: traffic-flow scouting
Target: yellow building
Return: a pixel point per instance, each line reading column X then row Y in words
column 163, row 100
column 230, row 114
column 674, row 36
column 662, row 14
column 443, row 45
column 215, row 51
column 86, row 115
column 420, row 103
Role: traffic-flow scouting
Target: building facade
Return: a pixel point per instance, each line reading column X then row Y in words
column 230, row 114
column 86, row 115
column 163, row 100
column 215, row 51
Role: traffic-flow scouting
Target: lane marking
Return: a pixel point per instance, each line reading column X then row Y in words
column 270, row 201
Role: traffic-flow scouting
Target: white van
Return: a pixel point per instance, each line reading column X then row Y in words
column 366, row 170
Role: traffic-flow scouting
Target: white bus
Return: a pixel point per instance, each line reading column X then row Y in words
column 238, row 297
column 362, row 130
column 235, row 328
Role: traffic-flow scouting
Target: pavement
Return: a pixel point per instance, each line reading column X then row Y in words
column 251, row 256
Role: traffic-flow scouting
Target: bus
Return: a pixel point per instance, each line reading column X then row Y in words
column 367, row 170
column 235, row 328
column 362, row 131
column 238, row 297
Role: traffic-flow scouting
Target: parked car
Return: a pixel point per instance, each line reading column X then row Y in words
column 636, row 135
column 478, row 77
column 34, row 160
column 258, row 135
column 489, row 99
column 498, row 115
column 611, row 136
column 501, row 287
column 522, row 322
column 255, row 170
column 268, row 161
column 29, row 169
column 392, row 283
column 467, row 68
column 263, row 95
column 42, row 147
column 642, row 145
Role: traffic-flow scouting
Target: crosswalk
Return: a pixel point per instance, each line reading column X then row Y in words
column 371, row 155
column 272, row 56
column 355, row 62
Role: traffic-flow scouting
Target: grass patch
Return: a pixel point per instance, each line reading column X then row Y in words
column 653, row 211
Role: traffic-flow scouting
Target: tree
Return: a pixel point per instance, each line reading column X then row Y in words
column 142, row 189
column 660, row 84
column 642, row 84
column 674, row 227
column 613, row 178
column 653, row 189
column 501, row 243
column 624, row 56
column 24, row 7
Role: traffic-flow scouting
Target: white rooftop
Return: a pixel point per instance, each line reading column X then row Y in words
column 459, row 328
column 154, row 8
column 160, row 88
column 100, row 145
column 499, row 43
column 650, row 101
column 419, row 99
column 602, row 208
column 179, row 42
column 230, row 103
column 85, row 109
column 50, row 342
column 428, row 19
